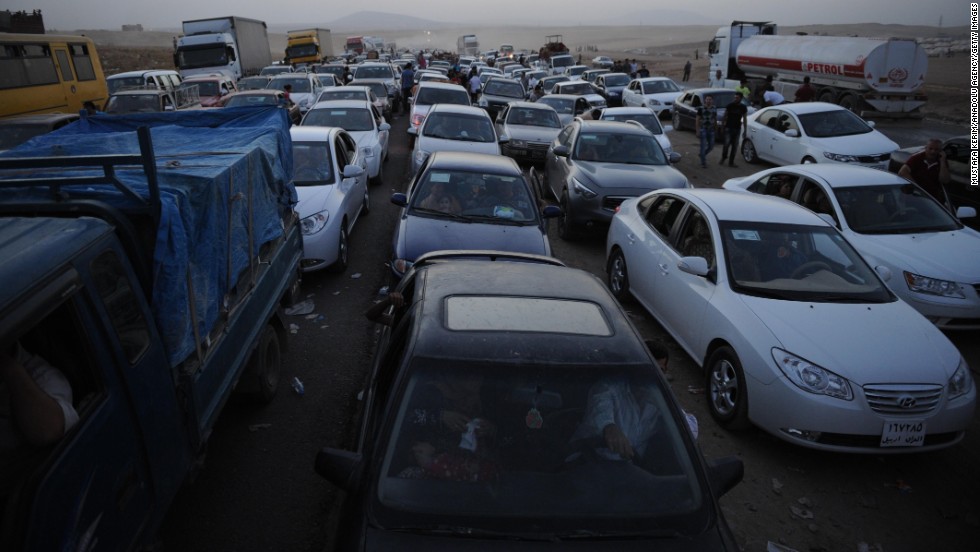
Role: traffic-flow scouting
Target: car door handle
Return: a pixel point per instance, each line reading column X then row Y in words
column 664, row 267
column 631, row 238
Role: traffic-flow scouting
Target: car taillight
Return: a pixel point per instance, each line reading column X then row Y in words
column 417, row 119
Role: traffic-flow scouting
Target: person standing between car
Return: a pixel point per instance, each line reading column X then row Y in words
column 771, row 97
column 733, row 123
column 743, row 87
column 716, row 81
column 408, row 79
column 536, row 93
column 287, row 89
column 705, row 123
column 930, row 170
column 806, row 92
column 474, row 85
column 687, row 71
column 643, row 72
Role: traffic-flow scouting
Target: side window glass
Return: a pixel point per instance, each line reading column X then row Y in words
column 565, row 136
column 122, row 305
column 663, row 215
column 65, row 66
column 695, row 239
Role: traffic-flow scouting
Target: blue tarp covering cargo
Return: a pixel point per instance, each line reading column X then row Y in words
column 225, row 189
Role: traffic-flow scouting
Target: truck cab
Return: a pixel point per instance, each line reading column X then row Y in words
column 722, row 48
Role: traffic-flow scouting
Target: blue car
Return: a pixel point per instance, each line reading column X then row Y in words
column 464, row 200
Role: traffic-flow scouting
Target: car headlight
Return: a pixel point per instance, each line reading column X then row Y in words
column 653, row 102
column 518, row 144
column 933, row 286
column 812, row 378
column 840, row 157
column 613, row 93
column 961, row 382
column 367, row 151
column 582, row 189
column 314, row 223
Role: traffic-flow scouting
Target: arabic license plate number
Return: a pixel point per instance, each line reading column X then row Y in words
column 903, row 433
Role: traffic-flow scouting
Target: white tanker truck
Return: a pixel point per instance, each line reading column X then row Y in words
column 870, row 76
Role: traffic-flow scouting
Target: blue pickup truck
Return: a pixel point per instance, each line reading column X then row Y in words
column 148, row 258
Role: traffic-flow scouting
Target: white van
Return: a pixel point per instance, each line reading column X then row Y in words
column 558, row 63
column 160, row 79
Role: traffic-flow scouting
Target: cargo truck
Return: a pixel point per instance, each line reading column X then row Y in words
column 308, row 46
column 147, row 259
column 234, row 46
column 870, row 76
column 467, row 45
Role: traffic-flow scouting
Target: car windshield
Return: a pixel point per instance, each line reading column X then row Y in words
column 372, row 72
column 337, row 70
column 312, row 164
column 564, row 106
column 549, row 82
column 616, row 80
column 276, row 70
column 427, row 95
column 562, row 61
column 301, row 85
column 575, row 71
column 252, row 100
column 504, row 88
column 351, row 119
column 493, row 198
column 378, row 88
column 659, row 87
column 797, row 263
column 895, row 209
column 533, row 451
column 133, row 103
column 12, row 135
column 648, row 120
column 722, row 98
column 630, row 149
column 122, row 83
column 253, row 83
column 204, row 88
column 533, row 117
column 832, row 123
column 457, row 126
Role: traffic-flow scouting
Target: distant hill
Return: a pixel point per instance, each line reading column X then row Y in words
column 372, row 20
column 660, row 17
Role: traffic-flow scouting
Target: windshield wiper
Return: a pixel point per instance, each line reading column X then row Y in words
column 463, row 531
column 440, row 213
column 585, row 534
column 499, row 220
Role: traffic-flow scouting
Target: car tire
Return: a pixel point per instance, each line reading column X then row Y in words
column 849, row 102
column 366, row 202
column 565, row 230
column 260, row 379
column 725, row 389
column 380, row 177
column 676, row 119
column 748, row 152
column 827, row 96
column 618, row 276
column 343, row 251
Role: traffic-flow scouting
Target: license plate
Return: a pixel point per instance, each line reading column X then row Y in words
column 903, row 433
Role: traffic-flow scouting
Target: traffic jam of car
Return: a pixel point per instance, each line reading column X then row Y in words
column 510, row 397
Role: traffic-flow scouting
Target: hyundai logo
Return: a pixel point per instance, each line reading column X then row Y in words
column 906, row 402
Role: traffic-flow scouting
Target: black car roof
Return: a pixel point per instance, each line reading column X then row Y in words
column 554, row 288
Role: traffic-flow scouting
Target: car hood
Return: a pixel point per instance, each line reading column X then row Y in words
column 903, row 346
column 869, row 143
column 364, row 138
column 313, row 199
column 641, row 177
column 532, row 133
column 418, row 235
column 662, row 97
column 953, row 255
column 430, row 145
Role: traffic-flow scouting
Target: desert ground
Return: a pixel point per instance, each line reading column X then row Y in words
column 664, row 50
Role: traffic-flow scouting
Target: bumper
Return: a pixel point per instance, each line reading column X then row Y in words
column 946, row 313
column 826, row 423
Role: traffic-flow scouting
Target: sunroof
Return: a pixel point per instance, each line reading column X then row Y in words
column 525, row 314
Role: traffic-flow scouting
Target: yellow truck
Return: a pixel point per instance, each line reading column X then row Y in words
column 308, row 46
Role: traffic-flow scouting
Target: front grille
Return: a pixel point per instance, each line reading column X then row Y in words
column 610, row 203
column 874, row 158
column 903, row 400
column 537, row 146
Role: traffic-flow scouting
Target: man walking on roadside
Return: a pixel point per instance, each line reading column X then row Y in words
column 408, row 80
column 704, row 124
column 687, row 71
column 733, row 124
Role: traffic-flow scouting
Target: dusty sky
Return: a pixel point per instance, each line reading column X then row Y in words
column 167, row 14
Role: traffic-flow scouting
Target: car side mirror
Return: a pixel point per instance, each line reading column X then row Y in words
column 561, row 151
column 413, row 130
column 551, row 211
column 870, row 123
column 399, row 199
column 673, row 157
column 339, row 467
column 503, row 139
column 353, row 171
column 966, row 212
column 723, row 474
column 884, row 272
column 792, row 132
column 384, row 126
column 697, row 266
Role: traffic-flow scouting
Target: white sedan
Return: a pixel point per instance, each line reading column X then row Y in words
column 657, row 93
column 797, row 334
column 330, row 175
column 933, row 260
column 364, row 122
column 814, row 132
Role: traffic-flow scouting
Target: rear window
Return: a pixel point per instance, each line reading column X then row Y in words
column 525, row 314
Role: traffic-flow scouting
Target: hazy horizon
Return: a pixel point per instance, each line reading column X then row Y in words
column 112, row 14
